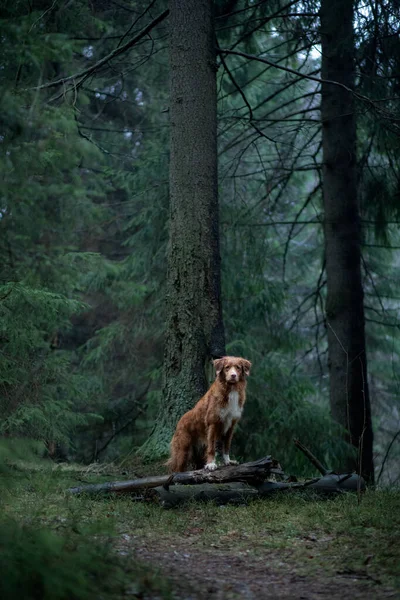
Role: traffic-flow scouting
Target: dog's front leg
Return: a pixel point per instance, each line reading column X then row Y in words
column 226, row 445
column 211, row 465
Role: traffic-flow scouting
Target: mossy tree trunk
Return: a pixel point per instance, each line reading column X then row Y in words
column 194, row 330
column 349, row 396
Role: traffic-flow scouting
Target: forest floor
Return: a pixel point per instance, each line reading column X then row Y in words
column 290, row 546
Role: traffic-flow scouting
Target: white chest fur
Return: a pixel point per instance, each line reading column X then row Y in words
column 231, row 412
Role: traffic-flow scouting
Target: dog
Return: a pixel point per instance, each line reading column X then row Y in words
column 212, row 419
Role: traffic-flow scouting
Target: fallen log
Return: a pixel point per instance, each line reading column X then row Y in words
column 251, row 472
column 226, row 493
column 236, row 483
column 328, row 484
column 241, row 493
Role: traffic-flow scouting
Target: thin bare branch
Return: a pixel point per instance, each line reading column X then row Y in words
column 306, row 76
column 83, row 75
column 396, row 435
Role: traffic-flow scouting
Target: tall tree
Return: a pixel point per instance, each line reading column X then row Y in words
column 194, row 329
column 349, row 397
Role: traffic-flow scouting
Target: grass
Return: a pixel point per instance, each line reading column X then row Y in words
column 336, row 534
column 54, row 547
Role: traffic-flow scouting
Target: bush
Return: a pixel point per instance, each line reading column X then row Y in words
column 40, row 564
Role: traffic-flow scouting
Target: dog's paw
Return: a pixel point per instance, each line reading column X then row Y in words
column 211, row 466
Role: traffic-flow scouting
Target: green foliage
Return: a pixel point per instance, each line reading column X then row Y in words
column 38, row 563
column 47, row 196
column 281, row 408
column 53, row 547
column 84, row 227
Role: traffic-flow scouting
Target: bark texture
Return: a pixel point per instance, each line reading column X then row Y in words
column 349, row 397
column 194, row 328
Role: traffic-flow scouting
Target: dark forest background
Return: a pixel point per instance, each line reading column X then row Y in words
column 85, row 218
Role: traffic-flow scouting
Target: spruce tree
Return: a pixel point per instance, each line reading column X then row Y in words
column 194, row 331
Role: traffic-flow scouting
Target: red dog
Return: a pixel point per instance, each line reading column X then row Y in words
column 213, row 418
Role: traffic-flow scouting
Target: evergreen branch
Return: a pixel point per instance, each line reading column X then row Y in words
column 83, row 75
column 263, row 22
column 4, row 296
column 132, row 25
column 310, row 222
column 318, row 296
column 289, row 70
column 95, row 39
column 261, row 73
column 294, row 161
column 260, row 159
column 261, row 133
column 272, row 223
column 307, row 76
column 372, row 283
column 123, row 427
column 282, row 89
column 233, row 80
column 301, row 359
column 123, row 7
column 380, row 246
column 234, row 25
column 285, row 118
column 42, row 15
column 291, row 101
column 301, row 209
column 382, row 323
column 320, row 284
column 300, row 314
column 241, row 10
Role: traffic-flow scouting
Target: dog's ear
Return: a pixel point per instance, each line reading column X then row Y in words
column 246, row 365
column 219, row 365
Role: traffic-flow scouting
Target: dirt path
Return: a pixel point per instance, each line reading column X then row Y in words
column 223, row 574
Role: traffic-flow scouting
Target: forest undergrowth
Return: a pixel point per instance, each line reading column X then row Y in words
column 81, row 547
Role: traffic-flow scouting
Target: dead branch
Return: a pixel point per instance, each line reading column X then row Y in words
column 116, row 52
column 387, row 454
column 370, row 101
column 317, row 464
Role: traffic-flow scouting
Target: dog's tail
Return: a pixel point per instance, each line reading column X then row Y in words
column 176, row 462
column 180, row 452
column 170, row 465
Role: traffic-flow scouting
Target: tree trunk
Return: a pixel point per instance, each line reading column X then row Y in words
column 194, row 329
column 349, row 397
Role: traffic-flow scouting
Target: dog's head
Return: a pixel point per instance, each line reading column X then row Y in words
column 232, row 368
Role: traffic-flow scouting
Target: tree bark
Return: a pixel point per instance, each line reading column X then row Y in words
column 349, row 397
column 194, row 328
